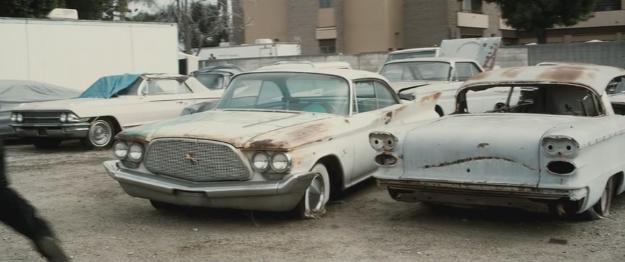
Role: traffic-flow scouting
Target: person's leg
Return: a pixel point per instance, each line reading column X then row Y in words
column 17, row 213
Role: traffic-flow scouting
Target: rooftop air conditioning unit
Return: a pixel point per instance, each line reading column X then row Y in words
column 63, row 14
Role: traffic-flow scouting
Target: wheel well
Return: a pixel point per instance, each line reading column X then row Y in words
column 335, row 170
column 619, row 181
column 113, row 121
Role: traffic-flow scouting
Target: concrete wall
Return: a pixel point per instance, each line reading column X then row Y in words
column 506, row 57
column 260, row 25
column 426, row 23
column 372, row 25
column 610, row 53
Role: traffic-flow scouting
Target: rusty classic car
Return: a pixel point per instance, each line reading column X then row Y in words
column 552, row 143
column 110, row 105
column 278, row 140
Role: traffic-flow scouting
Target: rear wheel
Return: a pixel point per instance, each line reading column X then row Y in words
column 101, row 133
column 602, row 208
column 316, row 196
column 47, row 143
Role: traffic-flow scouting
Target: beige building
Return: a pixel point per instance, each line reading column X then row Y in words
column 359, row 26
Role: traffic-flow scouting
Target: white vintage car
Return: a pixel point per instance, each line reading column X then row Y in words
column 552, row 142
column 425, row 76
column 278, row 140
column 110, row 105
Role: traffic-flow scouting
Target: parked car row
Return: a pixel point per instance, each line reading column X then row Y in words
column 288, row 137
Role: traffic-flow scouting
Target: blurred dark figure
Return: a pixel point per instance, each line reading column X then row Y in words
column 21, row 216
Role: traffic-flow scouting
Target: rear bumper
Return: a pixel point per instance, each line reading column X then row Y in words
column 66, row 130
column 279, row 195
column 529, row 198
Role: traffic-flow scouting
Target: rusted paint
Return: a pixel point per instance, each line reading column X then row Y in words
column 265, row 144
column 511, row 72
column 431, row 97
column 563, row 73
column 464, row 160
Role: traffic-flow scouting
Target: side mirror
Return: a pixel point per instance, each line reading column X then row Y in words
column 409, row 97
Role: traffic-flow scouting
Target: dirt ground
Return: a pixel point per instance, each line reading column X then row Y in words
column 97, row 221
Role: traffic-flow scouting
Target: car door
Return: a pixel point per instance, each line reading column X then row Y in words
column 165, row 98
column 373, row 106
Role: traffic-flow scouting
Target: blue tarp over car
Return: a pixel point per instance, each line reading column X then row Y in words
column 108, row 86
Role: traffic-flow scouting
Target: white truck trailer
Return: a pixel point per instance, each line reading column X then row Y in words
column 74, row 53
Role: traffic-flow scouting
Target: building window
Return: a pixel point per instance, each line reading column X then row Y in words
column 325, row 3
column 327, row 46
column 472, row 6
column 608, row 5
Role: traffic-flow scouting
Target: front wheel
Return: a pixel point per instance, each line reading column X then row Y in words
column 100, row 134
column 602, row 208
column 316, row 196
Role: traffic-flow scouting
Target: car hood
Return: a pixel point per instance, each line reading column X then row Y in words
column 501, row 142
column 244, row 129
column 76, row 105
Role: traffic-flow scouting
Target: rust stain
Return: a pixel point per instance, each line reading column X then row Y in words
column 464, row 160
column 431, row 97
column 481, row 76
column 511, row 73
column 265, row 144
column 563, row 73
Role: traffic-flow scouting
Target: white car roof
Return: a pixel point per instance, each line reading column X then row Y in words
column 593, row 76
column 410, row 50
column 306, row 65
column 432, row 59
column 350, row 74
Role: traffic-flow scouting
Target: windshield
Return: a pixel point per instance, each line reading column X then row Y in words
column 211, row 81
column 549, row 99
column 414, row 71
column 415, row 54
column 288, row 92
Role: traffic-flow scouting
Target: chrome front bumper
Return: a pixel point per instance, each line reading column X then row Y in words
column 525, row 197
column 67, row 130
column 282, row 195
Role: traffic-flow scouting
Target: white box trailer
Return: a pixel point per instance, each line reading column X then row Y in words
column 251, row 51
column 74, row 53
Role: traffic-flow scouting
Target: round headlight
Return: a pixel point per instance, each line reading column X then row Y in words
column 135, row 152
column 280, row 162
column 63, row 117
column 19, row 117
column 260, row 161
column 71, row 118
column 121, row 149
column 14, row 117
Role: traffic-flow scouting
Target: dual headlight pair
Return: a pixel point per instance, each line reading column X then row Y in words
column 17, row 117
column 70, row 117
column 275, row 162
column 128, row 151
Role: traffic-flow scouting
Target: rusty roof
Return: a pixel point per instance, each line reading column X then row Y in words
column 593, row 76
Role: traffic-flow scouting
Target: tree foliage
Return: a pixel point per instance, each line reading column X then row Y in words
column 536, row 16
column 27, row 8
column 87, row 9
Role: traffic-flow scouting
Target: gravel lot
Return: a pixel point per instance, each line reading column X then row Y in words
column 97, row 221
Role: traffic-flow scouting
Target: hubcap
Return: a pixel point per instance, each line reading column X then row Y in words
column 100, row 134
column 315, row 194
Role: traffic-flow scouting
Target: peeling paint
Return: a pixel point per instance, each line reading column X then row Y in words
column 464, row 160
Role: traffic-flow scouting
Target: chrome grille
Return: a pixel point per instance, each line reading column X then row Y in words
column 195, row 160
column 41, row 117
